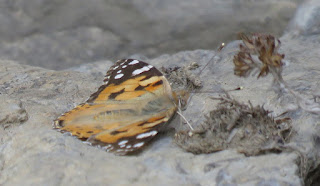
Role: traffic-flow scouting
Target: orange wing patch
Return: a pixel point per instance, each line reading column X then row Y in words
column 126, row 112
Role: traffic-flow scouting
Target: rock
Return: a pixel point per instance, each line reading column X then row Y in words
column 97, row 69
column 12, row 112
column 59, row 34
column 306, row 20
column 35, row 154
column 62, row 48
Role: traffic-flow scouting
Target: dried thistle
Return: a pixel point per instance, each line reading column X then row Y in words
column 233, row 125
column 259, row 51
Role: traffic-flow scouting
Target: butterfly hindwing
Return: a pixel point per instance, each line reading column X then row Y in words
column 126, row 112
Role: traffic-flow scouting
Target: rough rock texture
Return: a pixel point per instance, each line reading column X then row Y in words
column 32, row 153
column 307, row 19
column 57, row 34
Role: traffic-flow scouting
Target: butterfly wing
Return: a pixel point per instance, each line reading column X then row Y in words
column 125, row 112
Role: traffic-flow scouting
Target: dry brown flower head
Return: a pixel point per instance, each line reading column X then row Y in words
column 258, row 51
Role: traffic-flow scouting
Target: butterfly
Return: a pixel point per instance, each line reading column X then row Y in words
column 126, row 112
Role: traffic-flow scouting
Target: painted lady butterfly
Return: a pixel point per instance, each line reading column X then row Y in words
column 126, row 112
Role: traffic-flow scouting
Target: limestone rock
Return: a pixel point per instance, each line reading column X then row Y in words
column 306, row 20
column 60, row 34
column 34, row 154
column 12, row 111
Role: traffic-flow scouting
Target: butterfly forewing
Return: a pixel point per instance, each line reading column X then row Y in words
column 126, row 112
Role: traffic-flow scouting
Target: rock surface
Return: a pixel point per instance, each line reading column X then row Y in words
column 31, row 153
column 307, row 19
column 58, row 34
column 34, row 154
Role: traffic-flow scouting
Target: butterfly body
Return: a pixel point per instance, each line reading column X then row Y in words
column 126, row 112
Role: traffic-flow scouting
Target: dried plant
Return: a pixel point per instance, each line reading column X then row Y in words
column 233, row 125
column 260, row 52
column 184, row 77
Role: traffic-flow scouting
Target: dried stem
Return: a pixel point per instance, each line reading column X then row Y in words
column 260, row 52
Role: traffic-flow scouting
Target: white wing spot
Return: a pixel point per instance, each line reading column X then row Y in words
column 139, row 71
column 121, row 146
column 107, row 148
column 115, row 67
column 124, row 66
column 119, row 71
column 118, row 76
column 133, row 62
column 129, row 146
column 147, row 134
column 137, row 145
column 123, row 142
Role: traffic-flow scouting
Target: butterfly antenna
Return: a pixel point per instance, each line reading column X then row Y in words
column 182, row 116
column 185, row 120
column 211, row 59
